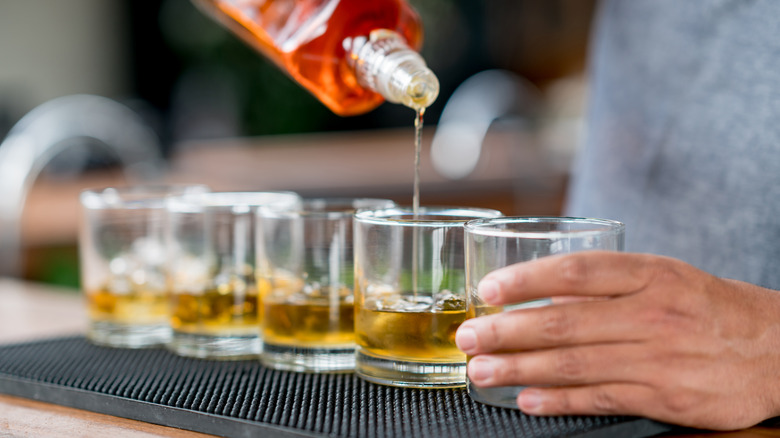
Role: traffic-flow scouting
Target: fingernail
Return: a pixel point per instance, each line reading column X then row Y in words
column 466, row 339
column 529, row 400
column 488, row 290
column 480, row 369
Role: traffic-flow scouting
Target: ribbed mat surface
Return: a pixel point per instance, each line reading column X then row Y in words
column 243, row 399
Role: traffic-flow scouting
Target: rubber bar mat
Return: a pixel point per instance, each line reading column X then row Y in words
column 244, row 399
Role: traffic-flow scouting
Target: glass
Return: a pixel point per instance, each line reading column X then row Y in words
column 214, row 296
column 122, row 262
column 306, row 277
column 495, row 243
column 410, row 295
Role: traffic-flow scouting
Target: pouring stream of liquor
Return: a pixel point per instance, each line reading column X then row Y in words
column 418, row 125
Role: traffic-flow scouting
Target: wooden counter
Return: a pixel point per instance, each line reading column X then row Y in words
column 31, row 311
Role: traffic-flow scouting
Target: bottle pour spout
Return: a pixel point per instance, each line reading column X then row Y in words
column 385, row 64
column 411, row 84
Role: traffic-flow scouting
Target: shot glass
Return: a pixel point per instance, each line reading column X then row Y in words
column 499, row 242
column 410, row 295
column 306, row 277
column 122, row 261
column 213, row 293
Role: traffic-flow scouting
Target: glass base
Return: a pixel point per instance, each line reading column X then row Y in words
column 502, row 396
column 309, row 360
column 408, row 373
column 235, row 347
column 109, row 334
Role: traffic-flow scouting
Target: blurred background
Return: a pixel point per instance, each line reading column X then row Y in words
column 203, row 107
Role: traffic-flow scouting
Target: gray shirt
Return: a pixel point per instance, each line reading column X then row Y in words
column 683, row 132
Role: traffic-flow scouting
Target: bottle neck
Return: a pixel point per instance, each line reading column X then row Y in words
column 384, row 63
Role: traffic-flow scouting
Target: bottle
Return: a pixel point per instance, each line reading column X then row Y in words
column 350, row 54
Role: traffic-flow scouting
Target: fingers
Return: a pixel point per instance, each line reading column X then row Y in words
column 574, row 366
column 608, row 399
column 589, row 322
column 685, row 409
column 590, row 273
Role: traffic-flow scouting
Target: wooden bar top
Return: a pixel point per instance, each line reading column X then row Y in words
column 31, row 311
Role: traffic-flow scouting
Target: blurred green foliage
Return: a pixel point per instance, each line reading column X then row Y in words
column 269, row 101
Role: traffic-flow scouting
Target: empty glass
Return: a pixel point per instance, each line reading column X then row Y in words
column 499, row 242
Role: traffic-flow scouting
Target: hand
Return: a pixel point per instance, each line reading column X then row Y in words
column 646, row 335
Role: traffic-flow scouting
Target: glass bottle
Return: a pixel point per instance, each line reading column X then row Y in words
column 350, row 54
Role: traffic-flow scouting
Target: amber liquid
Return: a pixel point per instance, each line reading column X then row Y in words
column 426, row 336
column 312, row 323
column 216, row 312
column 306, row 39
column 138, row 307
column 482, row 309
column 298, row 315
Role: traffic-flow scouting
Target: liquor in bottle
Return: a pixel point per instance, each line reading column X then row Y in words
column 350, row 54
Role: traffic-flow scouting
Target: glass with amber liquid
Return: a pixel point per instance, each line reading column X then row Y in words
column 314, row 321
column 350, row 54
column 214, row 298
column 494, row 243
column 305, row 277
column 122, row 253
column 230, row 306
column 410, row 327
column 410, row 295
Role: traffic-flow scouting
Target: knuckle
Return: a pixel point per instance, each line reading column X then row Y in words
column 605, row 402
column 653, row 271
column 557, row 326
column 673, row 301
column 574, row 270
column 680, row 402
column 560, row 402
column 570, row 365
column 495, row 333
column 511, row 372
column 663, row 316
column 669, row 324
column 667, row 272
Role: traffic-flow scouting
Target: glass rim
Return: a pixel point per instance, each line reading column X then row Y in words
column 235, row 202
column 341, row 206
column 490, row 226
column 399, row 216
column 139, row 196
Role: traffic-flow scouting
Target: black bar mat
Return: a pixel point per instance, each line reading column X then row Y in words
column 244, row 399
